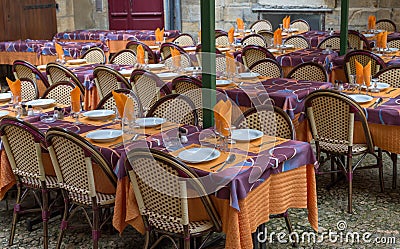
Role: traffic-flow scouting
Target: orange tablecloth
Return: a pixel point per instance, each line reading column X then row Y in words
column 292, row 189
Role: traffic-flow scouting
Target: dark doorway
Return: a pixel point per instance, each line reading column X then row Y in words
column 136, row 14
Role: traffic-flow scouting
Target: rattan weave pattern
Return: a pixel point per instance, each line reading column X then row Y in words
column 145, row 87
column 222, row 40
column 252, row 54
column 355, row 41
column 268, row 37
column 268, row 68
column 56, row 74
column 51, row 181
column 254, row 39
column 261, row 25
column 343, row 148
column 297, row 42
column 300, row 25
column 23, row 71
column 333, row 41
column 94, row 55
column 309, row 71
column 395, row 43
column 386, row 24
column 29, row 90
column 185, row 61
column 184, row 40
column 60, row 93
column 124, row 57
column 390, row 75
column 108, row 79
column 362, row 57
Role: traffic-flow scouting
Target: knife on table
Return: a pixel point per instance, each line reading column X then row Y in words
column 377, row 102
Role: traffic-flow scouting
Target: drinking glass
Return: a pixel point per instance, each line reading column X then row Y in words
column 76, row 110
column 352, row 82
column 375, row 88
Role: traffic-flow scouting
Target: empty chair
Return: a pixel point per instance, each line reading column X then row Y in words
column 95, row 55
column 176, row 108
column 166, row 213
column 268, row 37
column 184, row 40
column 222, row 40
column 332, row 115
column 394, row 43
column 132, row 45
column 300, row 24
column 267, row 67
column 56, row 73
column 166, row 47
column 124, row 57
column 362, row 57
column 389, row 75
column 333, row 41
column 60, row 92
column 251, row 54
column 108, row 79
column 184, row 61
column 108, row 102
column 29, row 90
column 24, row 69
column 311, row 71
column 254, row 39
column 261, row 25
column 147, row 87
column 297, row 41
column 357, row 40
column 386, row 24
column 25, row 147
column 86, row 179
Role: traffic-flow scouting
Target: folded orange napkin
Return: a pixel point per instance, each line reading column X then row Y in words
column 76, row 99
column 278, row 37
column 230, row 63
column 371, row 22
column 367, row 74
column 240, row 23
column 176, row 57
column 359, row 73
column 286, row 22
column 140, row 54
column 231, row 35
column 379, row 40
column 59, row 51
column 15, row 88
column 222, row 116
column 384, row 39
column 159, row 35
column 120, row 100
column 199, row 36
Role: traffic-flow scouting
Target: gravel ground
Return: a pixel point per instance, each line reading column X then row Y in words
column 375, row 218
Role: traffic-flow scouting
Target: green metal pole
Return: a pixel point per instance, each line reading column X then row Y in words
column 344, row 28
column 208, row 59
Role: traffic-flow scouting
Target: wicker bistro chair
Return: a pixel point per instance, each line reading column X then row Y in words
column 29, row 89
column 85, row 177
column 165, row 50
column 311, row 71
column 108, row 102
column 199, row 55
column 333, row 41
column 132, row 45
column 184, row 40
column 24, row 69
column 175, row 108
column 254, row 39
column 192, row 88
column 297, row 41
column 261, row 25
column 95, row 55
column 386, row 24
column 267, row 67
column 60, row 92
column 164, row 205
column 268, row 37
column 185, row 61
column 25, row 148
column 357, row 40
column 332, row 116
column 124, row 57
column 300, row 24
column 363, row 57
column 222, row 40
column 56, row 73
column 147, row 87
column 394, row 43
column 251, row 54
column 108, row 79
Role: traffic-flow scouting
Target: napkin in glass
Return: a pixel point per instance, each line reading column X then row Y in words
column 231, row 35
column 176, row 57
column 59, row 51
column 286, row 22
column 371, row 22
column 240, row 23
column 76, row 100
column 140, row 54
column 222, row 116
column 367, row 74
column 15, row 87
column 359, row 72
column 120, row 100
column 159, row 35
column 278, row 37
column 230, row 63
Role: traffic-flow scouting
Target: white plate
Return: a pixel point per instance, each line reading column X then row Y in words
column 380, row 85
column 361, row 98
column 104, row 136
column 273, row 50
column 250, row 75
column 236, row 34
column 156, row 66
column 3, row 113
column 189, row 48
column 222, row 82
column 189, row 69
column 393, row 49
column 293, row 29
column 76, row 61
column 167, row 75
column 244, row 135
column 42, row 67
column 126, row 72
column 154, row 47
column 5, row 97
column 150, row 122
column 199, row 155
column 43, row 103
column 369, row 35
column 288, row 46
column 98, row 114
column 223, row 49
column 248, row 31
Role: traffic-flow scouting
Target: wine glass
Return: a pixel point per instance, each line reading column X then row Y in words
column 76, row 110
column 375, row 88
column 352, row 82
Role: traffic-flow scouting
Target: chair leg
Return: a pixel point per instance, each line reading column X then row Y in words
column 289, row 226
column 394, row 159
column 147, row 240
column 350, row 179
column 333, row 168
column 17, row 209
column 64, row 221
column 380, row 165
column 45, row 216
column 95, row 228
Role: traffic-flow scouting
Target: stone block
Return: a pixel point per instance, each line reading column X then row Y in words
column 65, row 24
column 83, row 13
column 363, row 4
column 389, row 4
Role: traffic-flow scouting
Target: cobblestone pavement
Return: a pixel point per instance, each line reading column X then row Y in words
column 376, row 218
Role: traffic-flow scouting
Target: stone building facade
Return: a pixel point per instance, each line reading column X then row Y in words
column 82, row 14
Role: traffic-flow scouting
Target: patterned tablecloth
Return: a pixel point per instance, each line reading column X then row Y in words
column 72, row 49
column 306, row 55
column 314, row 37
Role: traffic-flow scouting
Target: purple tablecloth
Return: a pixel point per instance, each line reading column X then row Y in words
column 387, row 114
column 99, row 35
column 72, row 49
column 306, row 55
column 24, row 45
column 314, row 37
column 141, row 35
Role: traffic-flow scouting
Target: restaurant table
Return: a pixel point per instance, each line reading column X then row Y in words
column 284, row 171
